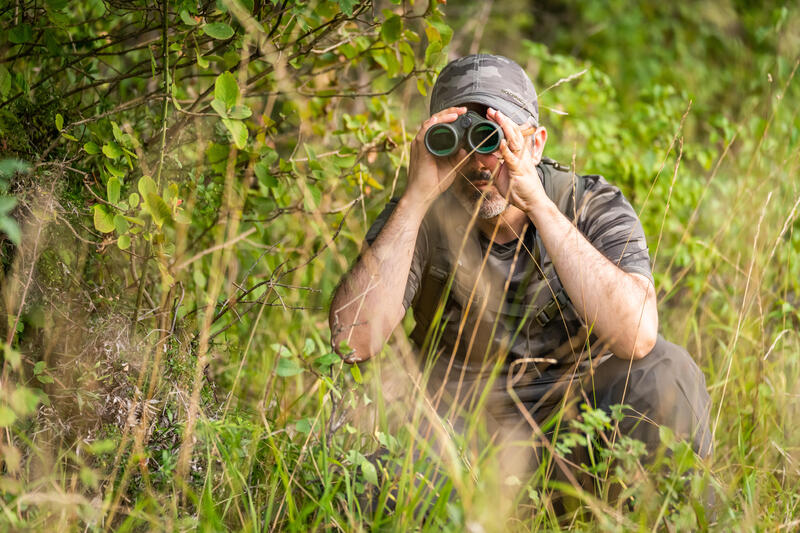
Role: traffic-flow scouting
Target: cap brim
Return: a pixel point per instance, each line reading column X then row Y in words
column 509, row 109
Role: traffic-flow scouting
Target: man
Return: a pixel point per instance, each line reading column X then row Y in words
column 531, row 286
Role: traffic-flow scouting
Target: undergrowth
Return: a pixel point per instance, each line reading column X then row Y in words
column 183, row 184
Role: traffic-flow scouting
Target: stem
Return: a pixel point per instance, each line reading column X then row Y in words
column 164, row 108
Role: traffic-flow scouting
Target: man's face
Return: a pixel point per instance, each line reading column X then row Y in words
column 476, row 181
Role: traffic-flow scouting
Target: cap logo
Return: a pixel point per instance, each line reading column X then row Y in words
column 520, row 101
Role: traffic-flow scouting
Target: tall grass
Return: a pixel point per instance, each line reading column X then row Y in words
column 181, row 425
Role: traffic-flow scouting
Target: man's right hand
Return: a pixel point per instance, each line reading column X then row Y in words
column 428, row 175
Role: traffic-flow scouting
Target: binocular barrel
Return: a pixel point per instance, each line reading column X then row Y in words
column 482, row 135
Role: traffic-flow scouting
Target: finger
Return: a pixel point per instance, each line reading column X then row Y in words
column 510, row 129
column 450, row 111
column 441, row 118
column 509, row 156
column 438, row 118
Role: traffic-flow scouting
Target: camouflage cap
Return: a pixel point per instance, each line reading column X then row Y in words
column 490, row 80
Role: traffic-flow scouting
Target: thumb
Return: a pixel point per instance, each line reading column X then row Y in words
column 502, row 182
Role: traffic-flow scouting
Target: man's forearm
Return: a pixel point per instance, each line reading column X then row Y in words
column 368, row 303
column 619, row 306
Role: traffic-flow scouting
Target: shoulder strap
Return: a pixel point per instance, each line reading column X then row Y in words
column 564, row 187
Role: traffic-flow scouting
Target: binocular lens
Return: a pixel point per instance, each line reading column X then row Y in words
column 442, row 140
column 485, row 137
column 480, row 134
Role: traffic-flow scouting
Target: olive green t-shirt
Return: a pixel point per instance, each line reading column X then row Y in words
column 488, row 322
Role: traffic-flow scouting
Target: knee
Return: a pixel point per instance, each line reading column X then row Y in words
column 671, row 391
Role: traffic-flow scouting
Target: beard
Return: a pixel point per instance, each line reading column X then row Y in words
column 489, row 201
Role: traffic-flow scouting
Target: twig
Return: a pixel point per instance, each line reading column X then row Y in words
column 215, row 248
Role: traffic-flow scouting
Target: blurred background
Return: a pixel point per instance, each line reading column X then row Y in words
column 183, row 183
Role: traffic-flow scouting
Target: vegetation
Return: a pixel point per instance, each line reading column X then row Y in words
column 183, row 183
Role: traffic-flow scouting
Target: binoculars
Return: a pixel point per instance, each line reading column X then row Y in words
column 482, row 135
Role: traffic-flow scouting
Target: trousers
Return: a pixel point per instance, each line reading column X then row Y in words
column 664, row 388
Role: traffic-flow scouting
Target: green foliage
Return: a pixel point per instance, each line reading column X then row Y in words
column 177, row 207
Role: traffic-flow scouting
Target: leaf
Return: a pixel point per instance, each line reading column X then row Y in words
column 391, row 29
column 39, row 367
column 112, row 150
column 146, row 186
column 303, row 425
column 218, row 30
column 5, row 81
column 369, row 180
column 102, row 446
column 240, row 112
column 219, row 107
column 407, row 57
column 57, row 5
column 117, row 132
column 7, row 416
column 226, row 89
column 91, row 148
column 8, row 167
column 88, row 477
column 24, row 400
column 103, row 220
column 158, row 209
column 112, row 189
column 124, row 242
column 268, row 155
column 288, row 367
column 187, row 19
column 328, row 360
column 202, row 62
column 121, row 225
column 238, row 131
column 445, row 32
column 345, row 161
column 309, row 346
column 347, row 6
column 421, row 87
column 370, row 474
column 356, row 373
column 433, row 53
column 20, row 34
column 114, row 170
column 133, row 200
column 11, row 355
column 7, row 203
column 135, row 220
column 10, row 227
column 264, row 176
column 59, row 122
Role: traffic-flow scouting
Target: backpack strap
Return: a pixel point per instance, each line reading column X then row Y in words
column 565, row 189
column 562, row 186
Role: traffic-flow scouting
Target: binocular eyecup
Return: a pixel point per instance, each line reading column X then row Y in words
column 482, row 135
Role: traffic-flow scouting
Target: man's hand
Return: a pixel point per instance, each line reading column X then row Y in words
column 621, row 307
column 428, row 175
column 519, row 180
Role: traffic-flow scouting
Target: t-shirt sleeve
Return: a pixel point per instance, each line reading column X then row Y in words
column 609, row 222
column 418, row 260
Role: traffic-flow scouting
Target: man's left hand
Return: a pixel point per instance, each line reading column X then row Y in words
column 518, row 180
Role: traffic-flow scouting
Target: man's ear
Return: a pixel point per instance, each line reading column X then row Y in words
column 538, row 140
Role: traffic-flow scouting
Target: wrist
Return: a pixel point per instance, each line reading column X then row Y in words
column 541, row 209
column 414, row 205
